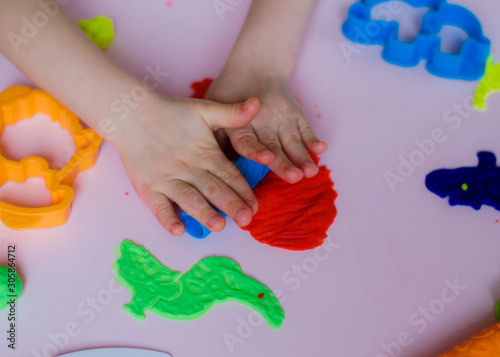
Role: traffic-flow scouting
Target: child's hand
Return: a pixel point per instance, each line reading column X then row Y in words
column 171, row 155
column 280, row 135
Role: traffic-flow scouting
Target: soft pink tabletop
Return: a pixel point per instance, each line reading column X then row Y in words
column 391, row 257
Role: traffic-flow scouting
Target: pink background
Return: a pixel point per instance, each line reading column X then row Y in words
column 390, row 252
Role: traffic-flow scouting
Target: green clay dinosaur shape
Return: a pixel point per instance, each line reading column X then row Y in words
column 489, row 83
column 177, row 296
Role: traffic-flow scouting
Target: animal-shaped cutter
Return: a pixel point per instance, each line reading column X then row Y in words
column 20, row 103
column 468, row 64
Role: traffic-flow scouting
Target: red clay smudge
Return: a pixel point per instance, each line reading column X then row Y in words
column 200, row 89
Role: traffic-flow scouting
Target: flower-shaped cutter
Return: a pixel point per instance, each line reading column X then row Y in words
column 19, row 103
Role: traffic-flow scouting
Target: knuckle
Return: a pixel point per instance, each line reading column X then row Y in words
column 159, row 210
column 273, row 145
column 212, row 189
column 230, row 173
column 305, row 129
column 231, row 109
column 244, row 139
column 187, row 195
column 205, row 153
column 245, row 144
column 292, row 138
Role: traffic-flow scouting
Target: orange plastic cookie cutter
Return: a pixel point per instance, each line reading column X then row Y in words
column 19, row 103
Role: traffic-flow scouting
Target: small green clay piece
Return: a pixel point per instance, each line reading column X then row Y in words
column 188, row 296
column 11, row 287
column 100, row 30
column 465, row 187
column 497, row 311
column 489, row 83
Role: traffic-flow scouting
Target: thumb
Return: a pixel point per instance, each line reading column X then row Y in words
column 231, row 115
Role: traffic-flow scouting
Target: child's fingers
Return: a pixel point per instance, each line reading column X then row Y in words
column 162, row 208
column 309, row 139
column 227, row 172
column 224, row 198
column 230, row 115
column 192, row 202
column 291, row 141
column 246, row 144
column 281, row 166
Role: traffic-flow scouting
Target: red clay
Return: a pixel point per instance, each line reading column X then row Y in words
column 291, row 216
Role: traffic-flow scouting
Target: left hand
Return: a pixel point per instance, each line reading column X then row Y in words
column 280, row 135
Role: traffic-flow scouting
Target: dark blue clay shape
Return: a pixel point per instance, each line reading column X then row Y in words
column 469, row 186
column 468, row 64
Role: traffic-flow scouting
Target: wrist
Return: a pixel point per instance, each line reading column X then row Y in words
column 250, row 64
column 125, row 117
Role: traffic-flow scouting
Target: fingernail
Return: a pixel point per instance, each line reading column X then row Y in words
column 215, row 221
column 252, row 204
column 176, row 228
column 321, row 146
column 246, row 104
column 295, row 174
column 267, row 155
column 309, row 163
column 242, row 216
column 310, row 170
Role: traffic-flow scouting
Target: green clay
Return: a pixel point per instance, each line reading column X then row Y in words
column 11, row 287
column 188, row 296
column 465, row 187
column 497, row 311
column 100, row 30
column 489, row 83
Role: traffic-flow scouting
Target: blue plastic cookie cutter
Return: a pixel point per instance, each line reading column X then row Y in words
column 469, row 186
column 251, row 171
column 468, row 64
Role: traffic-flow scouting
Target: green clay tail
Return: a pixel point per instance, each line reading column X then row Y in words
column 489, row 83
column 218, row 280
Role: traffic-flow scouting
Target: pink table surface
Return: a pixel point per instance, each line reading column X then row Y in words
column 390, row 256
